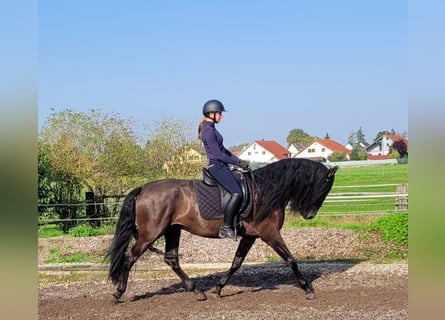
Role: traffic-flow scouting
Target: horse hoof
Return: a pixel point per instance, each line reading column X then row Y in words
column 117, row 297
column 116, row 300
column 310, row 296
column 200, row 296
column 216, row 293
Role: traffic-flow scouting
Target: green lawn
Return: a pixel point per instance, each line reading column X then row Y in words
column 362, row 189
column 370, row 175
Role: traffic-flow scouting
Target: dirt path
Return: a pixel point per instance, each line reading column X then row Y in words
column 262, row 291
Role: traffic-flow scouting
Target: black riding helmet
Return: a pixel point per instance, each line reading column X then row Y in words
column 212, row 106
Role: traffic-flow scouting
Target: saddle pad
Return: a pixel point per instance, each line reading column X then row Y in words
column 209, row 200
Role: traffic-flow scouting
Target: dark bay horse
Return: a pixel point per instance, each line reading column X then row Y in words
column 165, row 207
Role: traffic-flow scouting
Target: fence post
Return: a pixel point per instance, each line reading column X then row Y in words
column 91, row 210
column 402, row 199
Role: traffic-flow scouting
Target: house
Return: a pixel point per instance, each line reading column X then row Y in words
column 196, row 153
column 295, row 148
column 363, row 145
column 264, row 151
column 321, row 149
column 382, row 146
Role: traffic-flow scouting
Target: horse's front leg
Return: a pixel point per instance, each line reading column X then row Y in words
column 171, row 257
column 243, row 248
column 277, row 243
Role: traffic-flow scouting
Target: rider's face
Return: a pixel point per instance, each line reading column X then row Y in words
column 218, row 116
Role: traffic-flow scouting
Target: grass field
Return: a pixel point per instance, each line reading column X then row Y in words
column 365, row 189
column 370, row 175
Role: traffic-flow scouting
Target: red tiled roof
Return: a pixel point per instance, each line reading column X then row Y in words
column 378, row 157
column 277, row 149
column 395, row 137
column 333, row 145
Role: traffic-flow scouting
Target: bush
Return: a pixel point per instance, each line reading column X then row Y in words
column 394, row 228
column 83, row 231
column 337, row 156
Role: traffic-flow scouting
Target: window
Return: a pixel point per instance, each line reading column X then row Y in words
column 263, row 153
column 310, row 150
column 323, row 149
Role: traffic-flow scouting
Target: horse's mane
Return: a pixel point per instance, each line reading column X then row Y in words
column 299, row 182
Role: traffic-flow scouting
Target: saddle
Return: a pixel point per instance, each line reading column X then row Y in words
column 212, row 197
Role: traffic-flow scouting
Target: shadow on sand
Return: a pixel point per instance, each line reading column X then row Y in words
column 264, row 276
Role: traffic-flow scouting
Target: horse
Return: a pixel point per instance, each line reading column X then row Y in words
column 168, row 206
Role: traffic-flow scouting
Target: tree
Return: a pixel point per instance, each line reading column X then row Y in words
column 299, row 136
column 358, row 153
column 401, row 148
column 238, row 148
column 356, row 137
column 96, row 149
column 44, row 178
column 167, row 149
column 337, row 156
column 58, row 191
column 360, row 136
column 382, row 133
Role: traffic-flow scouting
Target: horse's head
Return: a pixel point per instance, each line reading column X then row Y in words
column 313, row 199
column 302, row 184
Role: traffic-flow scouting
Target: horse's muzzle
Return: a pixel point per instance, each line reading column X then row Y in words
column 310, row 214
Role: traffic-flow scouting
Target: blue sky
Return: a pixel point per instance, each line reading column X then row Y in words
column 321, row 66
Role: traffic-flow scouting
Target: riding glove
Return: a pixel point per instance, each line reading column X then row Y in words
column 244, row 164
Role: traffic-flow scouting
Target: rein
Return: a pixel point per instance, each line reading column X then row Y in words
column 255, row 187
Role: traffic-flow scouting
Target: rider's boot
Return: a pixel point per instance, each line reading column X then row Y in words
column 227, row 229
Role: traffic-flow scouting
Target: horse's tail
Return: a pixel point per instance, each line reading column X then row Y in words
column 125, row 229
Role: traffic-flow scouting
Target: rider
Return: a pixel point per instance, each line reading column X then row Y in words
column 219, row 158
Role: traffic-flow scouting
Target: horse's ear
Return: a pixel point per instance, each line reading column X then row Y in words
column 332, row 171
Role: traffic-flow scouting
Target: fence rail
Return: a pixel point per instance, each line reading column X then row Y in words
column 400, row 203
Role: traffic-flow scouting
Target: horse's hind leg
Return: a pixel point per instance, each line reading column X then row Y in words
column 278, row 244
column 131, row 257
column 171, row 257
column 243, row 248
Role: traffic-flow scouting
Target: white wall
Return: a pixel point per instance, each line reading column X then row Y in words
column 319, row 151
column 256, row 153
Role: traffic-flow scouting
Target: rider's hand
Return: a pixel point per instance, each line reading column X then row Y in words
column 244, row 164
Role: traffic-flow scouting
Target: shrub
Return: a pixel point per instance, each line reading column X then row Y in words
column 83, row 231
column 394, row 228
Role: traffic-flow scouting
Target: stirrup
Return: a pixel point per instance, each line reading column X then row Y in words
column 227, row 232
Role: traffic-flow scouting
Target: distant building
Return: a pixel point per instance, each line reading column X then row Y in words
column 363, row 145
column 295, row 148
column 383, row 145
column 264, row 151
column 321, row 149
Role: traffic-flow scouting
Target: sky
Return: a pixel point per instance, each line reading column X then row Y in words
column 327, row 67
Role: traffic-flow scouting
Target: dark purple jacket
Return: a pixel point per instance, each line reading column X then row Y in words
column 213, row 144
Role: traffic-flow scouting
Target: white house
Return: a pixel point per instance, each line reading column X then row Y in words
column 382, row 146
column 321, row 149
column 295, row 149
column 363, row 145
column 264, row 151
